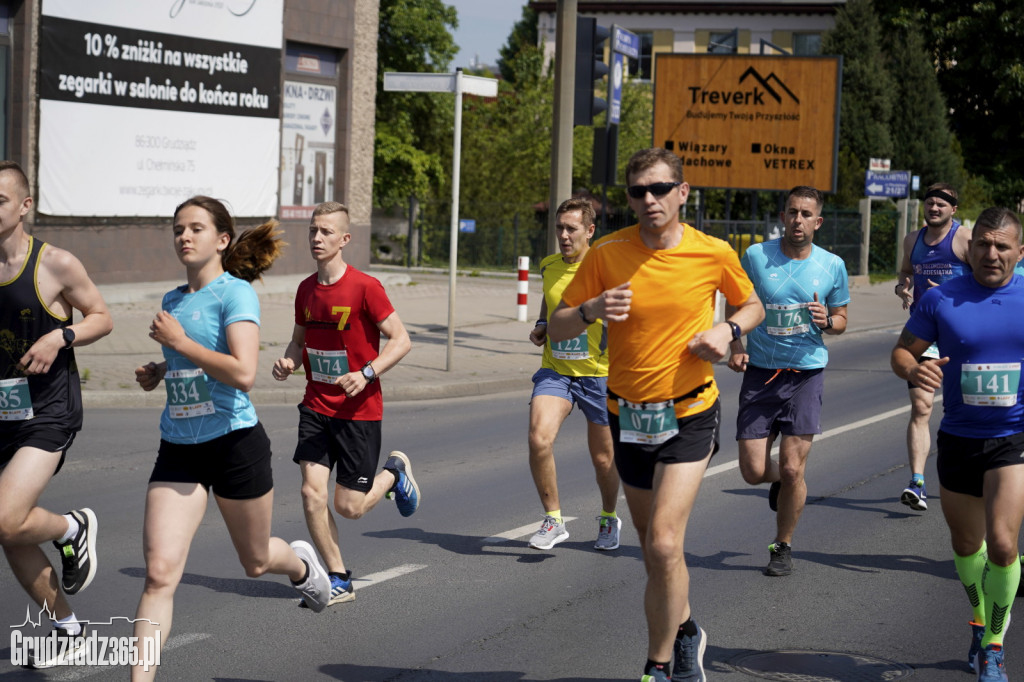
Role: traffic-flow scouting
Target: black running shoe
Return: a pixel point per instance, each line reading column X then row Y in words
column 79, row 553
column 781, row 562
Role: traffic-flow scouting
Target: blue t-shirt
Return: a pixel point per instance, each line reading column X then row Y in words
column 200, row 408
column 787, row 338
column 981, row 330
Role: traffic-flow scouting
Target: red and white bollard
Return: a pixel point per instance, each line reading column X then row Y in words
column 522, row 287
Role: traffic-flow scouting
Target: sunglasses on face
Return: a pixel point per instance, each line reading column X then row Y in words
column 658, row 189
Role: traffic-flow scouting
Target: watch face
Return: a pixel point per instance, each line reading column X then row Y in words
column 368, row 373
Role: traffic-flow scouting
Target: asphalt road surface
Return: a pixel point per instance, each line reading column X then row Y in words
column 454, row 593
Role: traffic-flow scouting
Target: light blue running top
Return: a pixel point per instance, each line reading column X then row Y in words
column 200, row 408
column 787, row 338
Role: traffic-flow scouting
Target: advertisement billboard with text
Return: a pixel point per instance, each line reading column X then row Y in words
column 143, row 104
column 750, row 122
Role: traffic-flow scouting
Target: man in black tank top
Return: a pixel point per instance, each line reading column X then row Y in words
column 41, row 406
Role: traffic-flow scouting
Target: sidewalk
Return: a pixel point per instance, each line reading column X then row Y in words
column 491, row 354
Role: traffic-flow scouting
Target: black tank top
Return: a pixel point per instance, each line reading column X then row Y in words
column 57, row 395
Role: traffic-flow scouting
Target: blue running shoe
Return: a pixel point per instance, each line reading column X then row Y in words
column 914, row 496
column 989, row 664
column 405, row 490
column 688, row 665
column 654, row 675
column 977, row 632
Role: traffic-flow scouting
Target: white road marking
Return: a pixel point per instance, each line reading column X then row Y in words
column 379, row 577
column 729, row 466
column 521, row 531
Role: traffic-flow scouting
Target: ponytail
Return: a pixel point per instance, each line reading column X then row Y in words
column 254, row 252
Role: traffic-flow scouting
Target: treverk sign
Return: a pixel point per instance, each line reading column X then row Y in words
column 750, row 122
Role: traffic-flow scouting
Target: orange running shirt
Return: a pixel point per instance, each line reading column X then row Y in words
column 673, row 299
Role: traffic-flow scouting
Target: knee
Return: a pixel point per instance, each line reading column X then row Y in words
column 254, row 566
column 920, row 411
column 10, row 528
column 791, row 474
column 751, row 474
column 1003, row 551
column 541, row 443
column 349, row 509
column 313, row 497
column 663, row 553
column 162, row 574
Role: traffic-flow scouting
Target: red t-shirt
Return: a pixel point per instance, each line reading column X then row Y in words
column 341, row 336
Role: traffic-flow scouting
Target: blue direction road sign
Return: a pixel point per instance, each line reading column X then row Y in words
column 467, row 225
column 625, row 42
column 886, row 183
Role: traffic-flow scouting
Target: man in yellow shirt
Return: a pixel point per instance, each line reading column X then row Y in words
column 655, row 283
column 572, row 371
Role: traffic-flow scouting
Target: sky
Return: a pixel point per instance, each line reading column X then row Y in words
column 484, row 26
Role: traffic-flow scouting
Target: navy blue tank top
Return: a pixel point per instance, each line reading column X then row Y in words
column 937, row 263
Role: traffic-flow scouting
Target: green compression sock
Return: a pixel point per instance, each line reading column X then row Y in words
column 970, row 569
column 999, row 583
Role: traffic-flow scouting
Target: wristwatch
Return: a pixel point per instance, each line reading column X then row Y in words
column 828, row 322
column 69, row 337
column 736, row 331
column 368, row 373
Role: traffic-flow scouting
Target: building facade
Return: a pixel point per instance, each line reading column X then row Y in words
column 692, row 27
column 119, row 110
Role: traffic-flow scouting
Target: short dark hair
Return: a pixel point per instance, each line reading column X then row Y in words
column 584, row 206
column 807, row 192
column 997, row 217
column 21, row 179
column 647, row 158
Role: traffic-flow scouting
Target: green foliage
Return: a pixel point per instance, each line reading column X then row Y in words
column 412, row 147
column 920, row 126
column 867, row 97
column 523, row 35
column 977, row 50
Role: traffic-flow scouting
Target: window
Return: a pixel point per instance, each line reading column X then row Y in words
column 807, row 43
column 641, row 68
column 723, row 43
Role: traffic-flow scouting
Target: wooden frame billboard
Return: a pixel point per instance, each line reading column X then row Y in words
column 750, row 122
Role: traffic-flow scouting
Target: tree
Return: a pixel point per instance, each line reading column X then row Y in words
column 867, row 99
column 980, row 60
column 413, row 130
column 922, row 141
column 523, row 35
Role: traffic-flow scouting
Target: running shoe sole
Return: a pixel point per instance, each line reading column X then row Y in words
column 317, row 574
column 912, row 500
column 408, row 474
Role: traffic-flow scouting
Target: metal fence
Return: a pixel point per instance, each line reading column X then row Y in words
column 502, row 232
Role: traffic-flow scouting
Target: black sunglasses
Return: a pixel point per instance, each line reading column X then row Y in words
column 658, row 189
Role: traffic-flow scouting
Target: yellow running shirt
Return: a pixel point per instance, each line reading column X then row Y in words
column 673, row 299
column 585, row 355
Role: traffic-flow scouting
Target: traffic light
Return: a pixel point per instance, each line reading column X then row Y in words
column 590, row 66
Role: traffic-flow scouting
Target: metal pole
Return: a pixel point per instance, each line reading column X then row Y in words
column 453, row 254
column 561, row 131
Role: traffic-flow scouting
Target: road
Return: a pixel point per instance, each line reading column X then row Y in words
column 453, row 593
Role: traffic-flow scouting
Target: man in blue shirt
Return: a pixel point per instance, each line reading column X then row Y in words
column 805, row 293
column 977, row 320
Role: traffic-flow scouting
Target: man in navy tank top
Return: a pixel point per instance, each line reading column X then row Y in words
column 931, row 255
column 41, row 407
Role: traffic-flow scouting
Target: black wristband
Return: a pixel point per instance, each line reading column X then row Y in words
column 583, row 316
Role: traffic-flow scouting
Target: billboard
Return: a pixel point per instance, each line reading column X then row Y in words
column 750, row 122
column 307, row 152
column 144, row 104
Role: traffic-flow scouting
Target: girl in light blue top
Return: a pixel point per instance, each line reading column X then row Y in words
column 210, row 436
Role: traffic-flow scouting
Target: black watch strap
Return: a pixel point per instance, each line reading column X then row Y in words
column 69, row 337
column 736, row 331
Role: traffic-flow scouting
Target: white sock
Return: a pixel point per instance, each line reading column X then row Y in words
column 72, row 530
column 70, row 624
